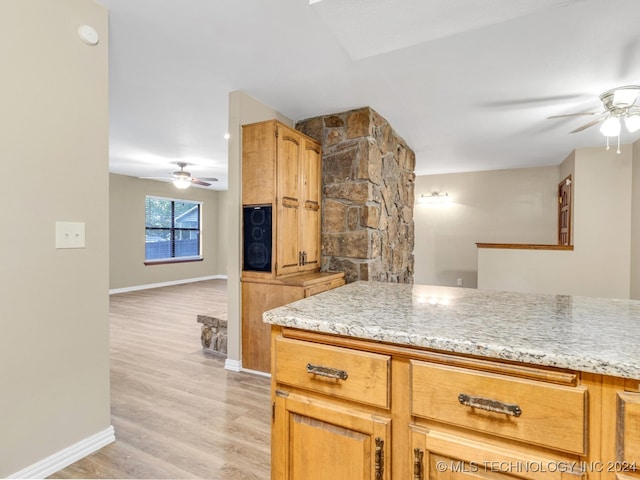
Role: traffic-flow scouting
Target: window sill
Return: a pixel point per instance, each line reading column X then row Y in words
column 165, row 261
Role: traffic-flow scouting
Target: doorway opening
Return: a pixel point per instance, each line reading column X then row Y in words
column 564, row 211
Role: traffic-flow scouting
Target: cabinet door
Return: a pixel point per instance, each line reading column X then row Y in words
column 288, row 201
column 310, row 207
column 313, row 440
column 441, row 455
column 628, row 433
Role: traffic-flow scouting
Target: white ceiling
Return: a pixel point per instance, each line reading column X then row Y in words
column 467, row 83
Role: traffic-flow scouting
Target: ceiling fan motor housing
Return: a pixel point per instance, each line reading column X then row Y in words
column 618, row 99
column 182, row 174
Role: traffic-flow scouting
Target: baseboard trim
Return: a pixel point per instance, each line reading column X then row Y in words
column 257, row 372
column 165, row 284
column 69, row 455
column 233, row 365
column 236, row 366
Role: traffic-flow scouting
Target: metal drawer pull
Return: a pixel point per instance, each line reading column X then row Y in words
column 379, row 458
column 327, row 371
column 489, row 405
column 417, row 464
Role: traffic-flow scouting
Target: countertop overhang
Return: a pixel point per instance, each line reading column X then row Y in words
column 593, row 335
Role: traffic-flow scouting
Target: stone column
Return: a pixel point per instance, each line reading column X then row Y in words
column 368, row 194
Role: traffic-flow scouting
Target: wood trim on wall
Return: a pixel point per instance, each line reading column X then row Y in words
column 525, row 246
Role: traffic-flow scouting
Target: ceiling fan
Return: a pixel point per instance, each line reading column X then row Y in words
column 183, row 179
column 619, row 103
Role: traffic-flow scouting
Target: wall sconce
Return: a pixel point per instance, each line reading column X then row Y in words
column 434, row 197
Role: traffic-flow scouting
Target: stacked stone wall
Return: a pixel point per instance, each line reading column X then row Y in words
column 368, row 195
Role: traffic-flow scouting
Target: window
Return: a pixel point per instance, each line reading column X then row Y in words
column 172, row 229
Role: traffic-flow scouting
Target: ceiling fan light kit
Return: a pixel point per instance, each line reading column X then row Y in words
column 182, row 182
column 611, row 127
column 632, row 122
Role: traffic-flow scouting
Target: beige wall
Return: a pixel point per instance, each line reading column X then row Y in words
column 504, row 206
column 54, row 363
column 127, row 235
column 242, row 110
column 600, row 264
column 635, row 223
column 223, row 231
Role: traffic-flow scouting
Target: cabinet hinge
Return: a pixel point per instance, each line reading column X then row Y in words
column 276, row 132
column 273, row 411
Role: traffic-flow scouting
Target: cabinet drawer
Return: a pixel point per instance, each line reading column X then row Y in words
column 340, row 372
column 531, row 411
column 323, row 287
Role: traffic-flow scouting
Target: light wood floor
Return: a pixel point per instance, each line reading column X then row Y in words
column 176, row 411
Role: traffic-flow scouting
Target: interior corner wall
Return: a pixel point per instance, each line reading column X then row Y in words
column 127, row 235
column 500, row 206
column 243, row 109
column 602, row 212
column 635, row 223
column 54, row 317
column 600, row 263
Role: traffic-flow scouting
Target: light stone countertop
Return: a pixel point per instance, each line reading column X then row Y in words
column 580, row 333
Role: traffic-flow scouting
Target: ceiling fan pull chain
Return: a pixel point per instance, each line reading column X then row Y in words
column 618, row 144
column 607, row 143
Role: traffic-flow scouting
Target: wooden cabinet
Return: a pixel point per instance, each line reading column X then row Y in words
column 501, row 405
column 259, row 295
column 628, row 431
column 281, row 170
column 282, row 167
column 299, row 164
column 621, row 453
column 472, row 421
column 445, row 455
column 326, row 424
column 325, row 441
column 449, row 416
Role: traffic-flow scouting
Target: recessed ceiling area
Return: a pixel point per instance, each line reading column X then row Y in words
column 469, row 85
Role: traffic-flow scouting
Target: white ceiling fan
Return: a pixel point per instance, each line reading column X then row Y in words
column 619, row 103
column 183, row 179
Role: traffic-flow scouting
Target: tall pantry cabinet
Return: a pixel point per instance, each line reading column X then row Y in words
column 281, row 200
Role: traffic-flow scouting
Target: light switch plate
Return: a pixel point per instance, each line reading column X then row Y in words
column 69, row 234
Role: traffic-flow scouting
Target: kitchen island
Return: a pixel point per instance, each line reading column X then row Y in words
column 414, row 381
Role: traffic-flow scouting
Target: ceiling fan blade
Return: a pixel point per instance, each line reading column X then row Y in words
column 519, row 102
column 587, row 125
column 208, row 179
column 199, row 182
column 573, row 115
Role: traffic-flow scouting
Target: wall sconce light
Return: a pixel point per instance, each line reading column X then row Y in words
column 434, row 197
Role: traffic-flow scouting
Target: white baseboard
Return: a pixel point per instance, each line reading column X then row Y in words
column 257, row 372
column 236, row 366
column 165, row 284
column 69, row 455
column 233, row 365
